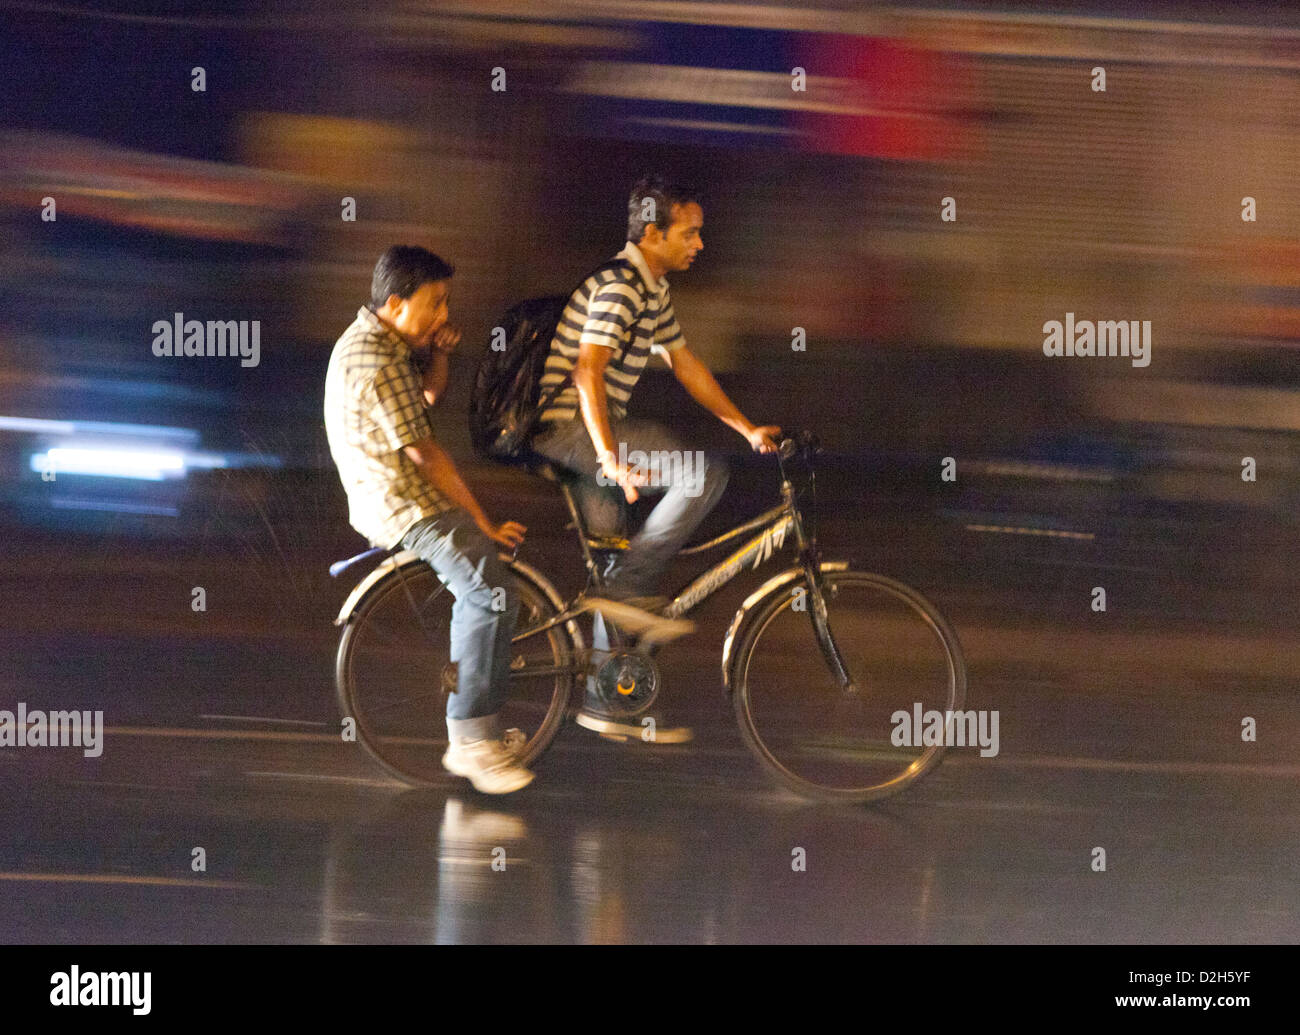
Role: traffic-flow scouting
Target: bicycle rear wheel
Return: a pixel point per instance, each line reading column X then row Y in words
column 393, row 672
column 821, row 741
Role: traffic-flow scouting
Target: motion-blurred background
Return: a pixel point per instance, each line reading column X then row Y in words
column 924, row 341
column 505, row 135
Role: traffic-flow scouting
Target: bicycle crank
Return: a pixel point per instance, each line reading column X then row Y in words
column 627, row 683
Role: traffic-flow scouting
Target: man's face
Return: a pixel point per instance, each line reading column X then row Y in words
column 675, row 248
column 420, row 316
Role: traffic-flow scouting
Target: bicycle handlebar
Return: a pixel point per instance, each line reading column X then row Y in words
column 800, row 440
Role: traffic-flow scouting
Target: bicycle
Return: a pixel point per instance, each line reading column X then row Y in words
column 884, row 648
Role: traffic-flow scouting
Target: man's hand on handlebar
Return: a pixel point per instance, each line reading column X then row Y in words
column 763, row 439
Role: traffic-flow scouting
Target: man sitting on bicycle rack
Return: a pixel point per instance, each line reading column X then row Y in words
column 404, row 489
column 613, row 322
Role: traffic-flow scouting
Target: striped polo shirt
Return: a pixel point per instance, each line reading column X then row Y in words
column 374, row 408
column 622, row 308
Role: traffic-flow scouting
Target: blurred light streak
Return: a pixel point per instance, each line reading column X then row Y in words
column 141, row 460
column 150, row 466
column 1021, row 469
column 1014, row 530
column 725, row 87
column 714, row 127
column 94, row 427
column 113, row 506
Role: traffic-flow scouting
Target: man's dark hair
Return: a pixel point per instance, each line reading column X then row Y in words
column 665, row 195
column 402, row 269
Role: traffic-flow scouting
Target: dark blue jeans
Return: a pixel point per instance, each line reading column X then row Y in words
column 691, row 482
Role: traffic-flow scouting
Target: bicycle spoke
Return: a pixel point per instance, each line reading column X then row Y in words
column 395, row 674
column 376, row 631
column 821, row 739
column 376, row 709
column 431, row 600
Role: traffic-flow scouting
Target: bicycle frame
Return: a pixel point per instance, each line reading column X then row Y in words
column 775, row 525
column 772, row 527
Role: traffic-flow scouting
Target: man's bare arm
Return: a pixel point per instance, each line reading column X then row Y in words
column 430, row 360
column 433, row 376
column 589, row 378
column 703, row 387
column 436, row 466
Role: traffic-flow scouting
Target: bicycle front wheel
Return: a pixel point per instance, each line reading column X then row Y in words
column 832, row 744
column 394, row 672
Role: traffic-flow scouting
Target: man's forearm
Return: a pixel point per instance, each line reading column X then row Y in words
column 595, row 413
column 703, row 387
column 434, row 376
column 442, row 475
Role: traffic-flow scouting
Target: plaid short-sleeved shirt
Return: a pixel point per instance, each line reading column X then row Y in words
column 374, row 407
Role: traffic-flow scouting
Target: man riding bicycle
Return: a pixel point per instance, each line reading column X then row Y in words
column 613, row 321
column 403, row 488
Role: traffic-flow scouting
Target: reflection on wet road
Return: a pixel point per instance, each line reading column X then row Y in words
column 304, row 842
column 225, row 808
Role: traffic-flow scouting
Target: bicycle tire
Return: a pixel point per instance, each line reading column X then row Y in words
column 411, row 755
column 750, row 641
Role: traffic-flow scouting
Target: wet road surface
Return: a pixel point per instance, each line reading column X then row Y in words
column 1119, row 730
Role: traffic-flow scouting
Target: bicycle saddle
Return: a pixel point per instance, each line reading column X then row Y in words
column 543, row 468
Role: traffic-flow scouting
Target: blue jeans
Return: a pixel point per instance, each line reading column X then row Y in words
column 691, row 485
column 466, row 562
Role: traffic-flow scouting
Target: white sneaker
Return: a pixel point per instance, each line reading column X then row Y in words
column 488, row 765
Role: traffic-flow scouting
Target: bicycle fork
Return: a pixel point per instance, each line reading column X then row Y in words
column 810, row 558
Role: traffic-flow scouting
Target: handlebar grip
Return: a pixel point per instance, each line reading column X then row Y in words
column 799, row 441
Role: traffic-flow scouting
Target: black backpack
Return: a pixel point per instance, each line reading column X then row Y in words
column 504, row 404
